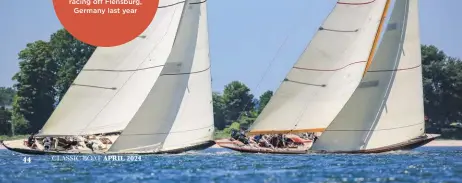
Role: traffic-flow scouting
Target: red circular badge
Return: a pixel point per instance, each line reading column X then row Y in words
column 105, row 22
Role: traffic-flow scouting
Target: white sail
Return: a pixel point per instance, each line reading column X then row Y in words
column 180, row 103
column 116, row 80
column 194, row 122
column 387, row 108
column 327, row 73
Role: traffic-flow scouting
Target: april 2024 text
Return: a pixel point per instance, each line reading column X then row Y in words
column 96, row 158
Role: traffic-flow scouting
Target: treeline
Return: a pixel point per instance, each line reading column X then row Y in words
column 236, row 107
column 47, row 69
column 442, row 80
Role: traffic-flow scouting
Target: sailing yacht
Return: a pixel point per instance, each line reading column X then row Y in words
column 359, row 101
column 150, row 95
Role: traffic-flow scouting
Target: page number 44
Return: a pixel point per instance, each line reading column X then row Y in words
column 26, row 160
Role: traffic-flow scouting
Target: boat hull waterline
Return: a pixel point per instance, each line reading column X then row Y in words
column 237, row 146
column 26, row 150
column 408, row 145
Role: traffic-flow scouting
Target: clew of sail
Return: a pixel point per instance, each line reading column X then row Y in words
column 178, row 110
column 387, row 108
column 327, row 73
column 116, row 80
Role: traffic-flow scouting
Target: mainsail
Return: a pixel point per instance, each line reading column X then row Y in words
column 178, row 110
column 116, row 80
column 387, row 108
column 328, row 71
column 154, row 89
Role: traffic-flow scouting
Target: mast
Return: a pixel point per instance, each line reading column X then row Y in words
column 327, row 72
column 377, row 36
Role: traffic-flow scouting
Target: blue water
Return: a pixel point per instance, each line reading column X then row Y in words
column 427, row 164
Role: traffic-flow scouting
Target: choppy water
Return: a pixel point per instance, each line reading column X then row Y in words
column 427, row 164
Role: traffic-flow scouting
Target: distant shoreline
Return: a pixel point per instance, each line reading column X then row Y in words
column 435, row 143
column 445, row 143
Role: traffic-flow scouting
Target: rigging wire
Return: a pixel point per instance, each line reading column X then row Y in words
column 268, row 68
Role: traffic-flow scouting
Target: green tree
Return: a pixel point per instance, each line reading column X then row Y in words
column 238, row 100
column 264, row 99
column 218, row 111
column 35, row 85
column 70, row 56
column 442, row 78
column 5, row 117
column 20, row 124
column 6, row 96
column 6, row 100
column 247, row 119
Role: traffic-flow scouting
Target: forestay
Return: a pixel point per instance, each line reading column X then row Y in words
column 387, row 108
column 327, row 73
column 116, row 80
column 178, row 110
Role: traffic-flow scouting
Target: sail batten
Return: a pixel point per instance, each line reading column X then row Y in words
column 391, row 111
column 327, row 72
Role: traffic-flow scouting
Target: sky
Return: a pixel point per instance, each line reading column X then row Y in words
column 252, row 41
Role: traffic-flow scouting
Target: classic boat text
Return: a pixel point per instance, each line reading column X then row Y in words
column 95, row 158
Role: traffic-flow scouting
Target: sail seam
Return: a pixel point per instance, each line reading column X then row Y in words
column 128, row 70
column 385, row 129
column 309, row 69
column 320, row 70
column 93, row 86
column 170, row 5
column 392, row 70
column 162, row 133
column 184, row 73
column 364, row 3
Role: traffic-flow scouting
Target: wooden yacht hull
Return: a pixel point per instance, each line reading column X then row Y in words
column 409, row 145
column 237, row 146
column 27, row 150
